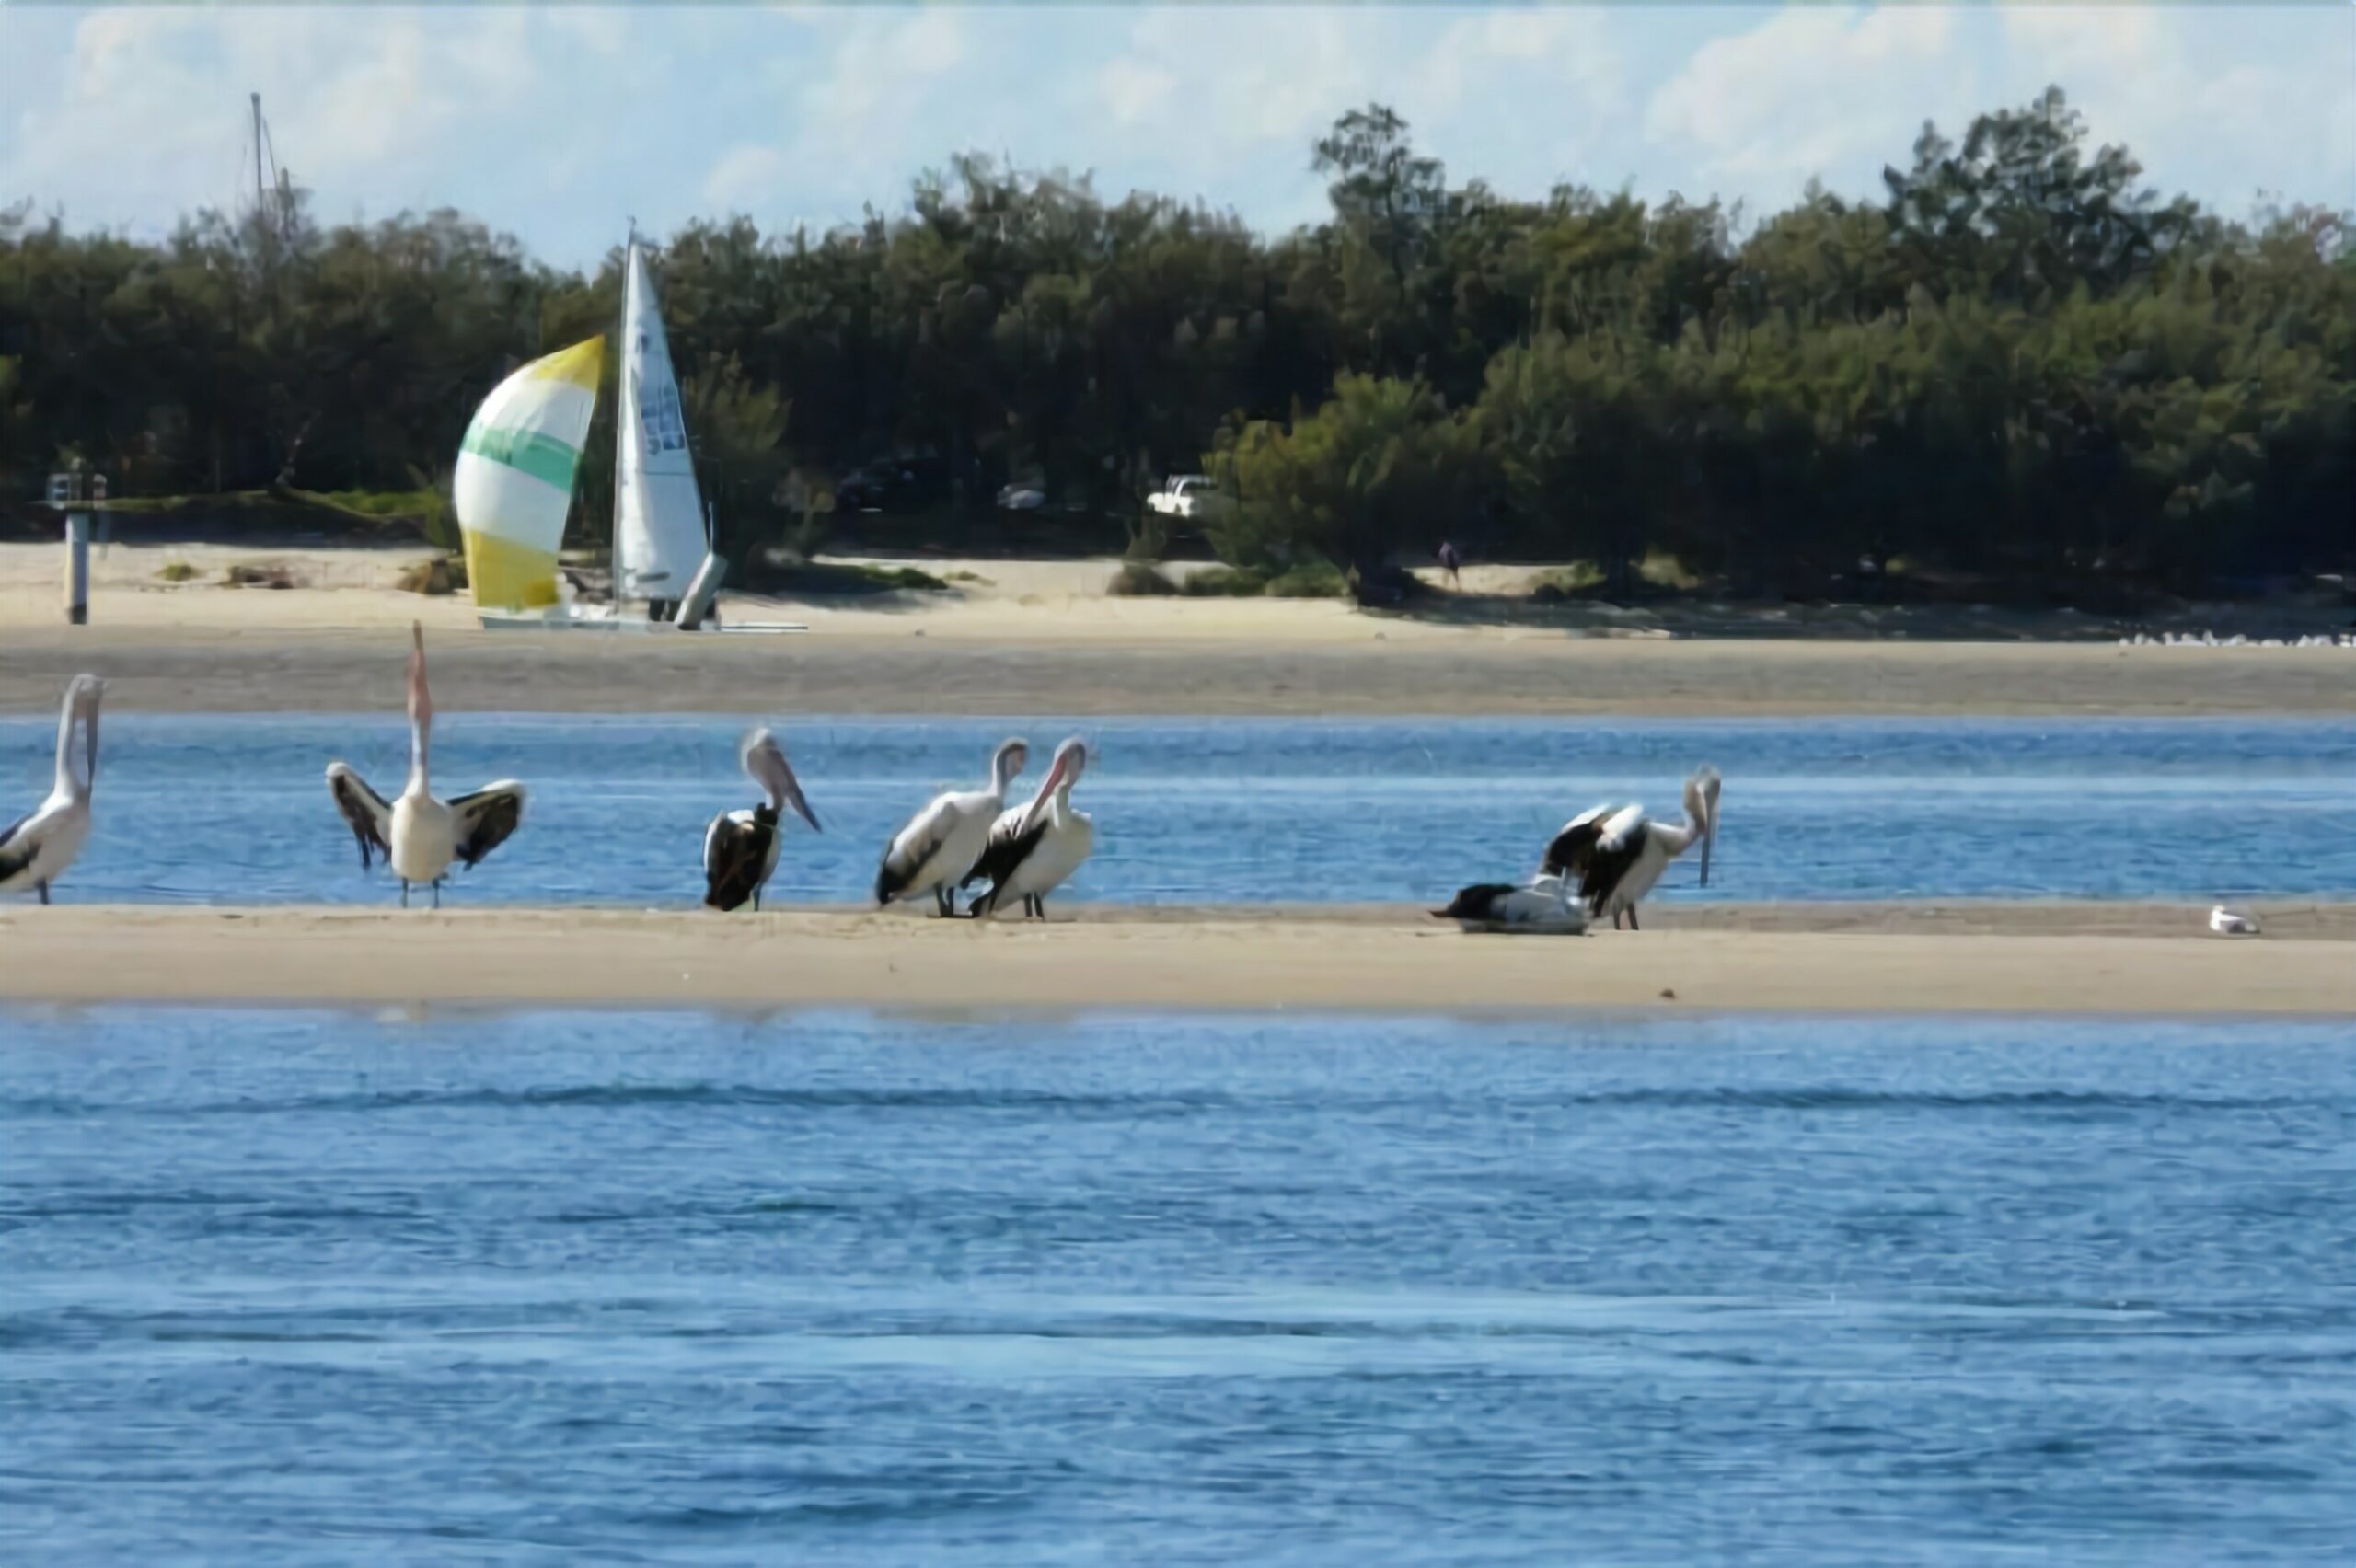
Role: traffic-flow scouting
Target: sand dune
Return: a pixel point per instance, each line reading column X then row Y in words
column 1956, row 958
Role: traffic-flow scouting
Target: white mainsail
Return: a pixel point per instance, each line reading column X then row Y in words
column 513, row 482
column 658, row 515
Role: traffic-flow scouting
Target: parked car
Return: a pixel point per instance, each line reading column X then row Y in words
column 1023, row 495
column 1190, row 496
column 904, row 484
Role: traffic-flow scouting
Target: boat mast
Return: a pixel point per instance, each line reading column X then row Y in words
column 261, row 203
column 622, row 411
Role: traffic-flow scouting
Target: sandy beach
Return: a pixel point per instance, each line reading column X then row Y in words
column 1042, row 637
column 2045, row 959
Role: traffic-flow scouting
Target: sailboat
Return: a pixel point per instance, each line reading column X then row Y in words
column 521, row 453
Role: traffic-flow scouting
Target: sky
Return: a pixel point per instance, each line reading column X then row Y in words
column 562, row 124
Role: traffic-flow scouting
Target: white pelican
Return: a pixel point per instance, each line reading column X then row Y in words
column 1631, row 850
column 419, row 836
column 36, row 849
column 942, row 842
column 739, row 847
column 1543, row 903
column 1034, row 848
column 2232, row 922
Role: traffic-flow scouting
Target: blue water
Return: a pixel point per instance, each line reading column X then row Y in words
column 309, row 1286
column 234, row 809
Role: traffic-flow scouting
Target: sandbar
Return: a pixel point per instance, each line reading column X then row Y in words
column 2119, row 960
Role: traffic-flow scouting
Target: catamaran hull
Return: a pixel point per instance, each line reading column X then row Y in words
column 601, row 617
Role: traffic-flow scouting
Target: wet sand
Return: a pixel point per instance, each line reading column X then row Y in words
column 1952, row 958
column 1034, row 670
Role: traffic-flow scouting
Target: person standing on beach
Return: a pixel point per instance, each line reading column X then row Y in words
column 1450, row 562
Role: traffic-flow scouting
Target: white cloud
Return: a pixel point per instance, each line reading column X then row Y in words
column 2144, row 80
column 1813, row 92
column 848, row 117
column 1283, row 75
column 150, row 108
column 1134, row 90
column 1523, row 97
column 601, row 32
column 1566, row 49
column 2214, row 102
column 746, row 174
column 880, row 60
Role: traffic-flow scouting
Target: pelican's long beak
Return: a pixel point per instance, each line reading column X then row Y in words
column 1046, row 792
column 1709, row 823
column 420, row 701
column 765, row 760
column 790, row 791
column 97, row 689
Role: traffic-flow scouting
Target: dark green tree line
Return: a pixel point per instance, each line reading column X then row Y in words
column 2020, row 361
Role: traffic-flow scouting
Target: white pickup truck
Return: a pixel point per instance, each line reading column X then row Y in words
column 1190, row 496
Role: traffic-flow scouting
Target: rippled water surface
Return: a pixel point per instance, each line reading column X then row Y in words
column 234, row 809
column 307, row 1286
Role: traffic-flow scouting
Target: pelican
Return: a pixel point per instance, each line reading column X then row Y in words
column 1034, row 848
column 2232, row 922
column 1543, row 903
column 739, row 847
column 36, row 849
column 942, row 842
column 419, row 836
column 1568, row 851
column 1631, row 850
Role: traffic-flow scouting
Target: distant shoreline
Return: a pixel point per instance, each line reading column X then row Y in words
column 1044, row 637
column 1991, row 959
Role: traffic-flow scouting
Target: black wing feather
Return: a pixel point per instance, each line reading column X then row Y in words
column 1567, row 854
column 891, row 880
column 733, row 871
column 489, row 816
column 13, row 861
column 1007, row 851
column 363, row 809
column 1607, row 864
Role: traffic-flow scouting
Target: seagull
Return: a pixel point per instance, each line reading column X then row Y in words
column 2232, row 922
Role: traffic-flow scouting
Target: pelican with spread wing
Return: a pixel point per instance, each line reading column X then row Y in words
column 1629, row 850
column 418, row 834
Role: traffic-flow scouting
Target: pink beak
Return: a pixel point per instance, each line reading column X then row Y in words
column 1046, row 792
column 421, row 703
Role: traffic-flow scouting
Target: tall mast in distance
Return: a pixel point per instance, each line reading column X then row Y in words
column 274, row 185
column 262, row 201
